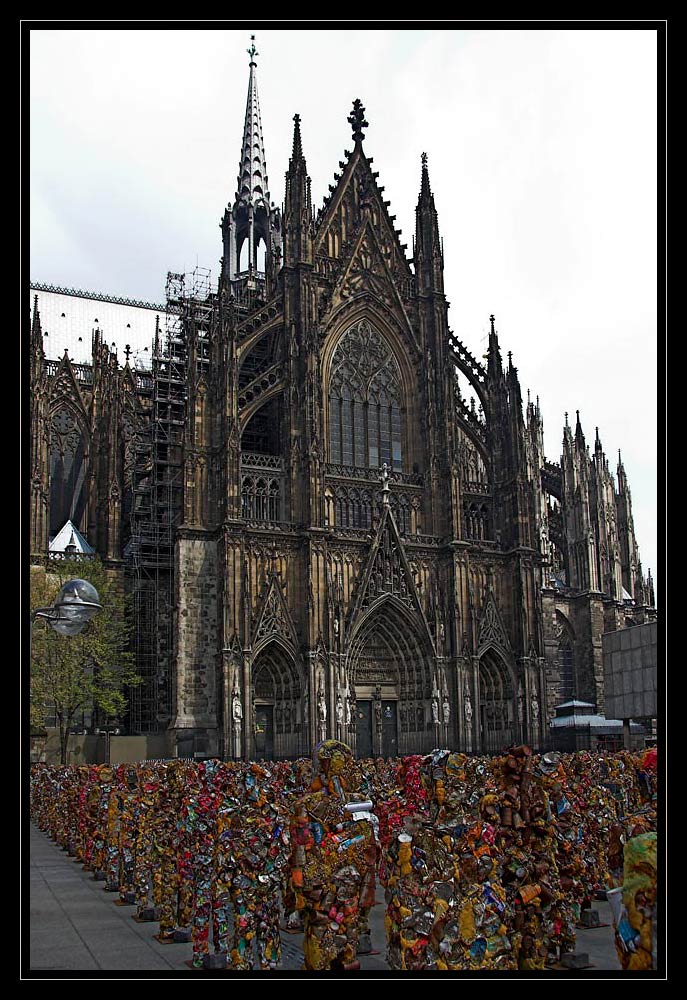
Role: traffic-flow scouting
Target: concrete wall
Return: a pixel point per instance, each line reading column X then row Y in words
column 630, row 672
column 93, row 749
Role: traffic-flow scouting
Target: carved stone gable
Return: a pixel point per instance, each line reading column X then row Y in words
column 368, row 272
column 355, row 199
column 235, row 648
column 63, row 386
column 491, row 630
column 387, row 572
column 274, row 618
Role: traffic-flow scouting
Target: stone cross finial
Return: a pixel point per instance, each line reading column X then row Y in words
column 357, row 120
column 252, row 51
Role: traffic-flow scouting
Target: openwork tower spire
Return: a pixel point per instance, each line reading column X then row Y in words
column 252, row 222
column 252, row 185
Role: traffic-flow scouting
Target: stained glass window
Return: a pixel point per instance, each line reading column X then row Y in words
column 365, row 402
column 67, row 471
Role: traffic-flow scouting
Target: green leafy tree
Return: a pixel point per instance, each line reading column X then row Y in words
column 85, row 671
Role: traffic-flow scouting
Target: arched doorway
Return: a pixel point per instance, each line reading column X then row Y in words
column 497, row 720
column 390, row 668
column 277, row 705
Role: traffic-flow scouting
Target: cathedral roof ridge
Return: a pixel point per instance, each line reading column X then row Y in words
column 96, row 296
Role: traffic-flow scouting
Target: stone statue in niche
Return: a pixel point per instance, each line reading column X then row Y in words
column 321, row 714
column 534, row 704
column 446, row 709
column 237, row 717
column 435, row 710
column 468, row 706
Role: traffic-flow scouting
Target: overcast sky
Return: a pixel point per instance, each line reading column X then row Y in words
column 542, row 151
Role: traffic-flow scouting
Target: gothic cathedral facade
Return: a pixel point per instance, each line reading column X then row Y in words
column 322, row 536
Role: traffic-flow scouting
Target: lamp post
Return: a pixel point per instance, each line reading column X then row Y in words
column 72, row 609
column 108, row 730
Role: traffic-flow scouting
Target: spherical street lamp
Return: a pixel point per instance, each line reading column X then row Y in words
column 72, row 609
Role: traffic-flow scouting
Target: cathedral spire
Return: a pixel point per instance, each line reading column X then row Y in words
column 36, row 332
column 425, row 189
column 252, row 185
column 429, row 256
column 579, row 436
column 297, row 151
column 494, row 366
column 597, row 442
column 37, row 353
column 297, row 204
column 252, row 220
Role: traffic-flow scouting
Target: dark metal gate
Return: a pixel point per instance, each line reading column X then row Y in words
column 363, row 728
column 264, row 732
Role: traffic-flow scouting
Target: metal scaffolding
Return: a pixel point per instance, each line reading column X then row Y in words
column 157, row 508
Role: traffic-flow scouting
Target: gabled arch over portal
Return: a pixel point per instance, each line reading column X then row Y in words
column 277, row 718
column 390, row 659
column 497, row 720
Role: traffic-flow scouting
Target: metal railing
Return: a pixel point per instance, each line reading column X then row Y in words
column 253, row 460
column 370, row 475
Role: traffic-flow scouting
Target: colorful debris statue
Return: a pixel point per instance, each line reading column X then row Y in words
column 634, row 905
column 487, row 862
column 333, row 856
column 197, row 829
column 259, row 845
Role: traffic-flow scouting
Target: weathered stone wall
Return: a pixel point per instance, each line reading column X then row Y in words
column 586, row 615
column 589, row 616
column 552, row 670
column 197, row 657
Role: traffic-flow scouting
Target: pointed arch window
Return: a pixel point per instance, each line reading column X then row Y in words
column 67, row 471
column 566, row 658
column 365, row 402
column 261, row 498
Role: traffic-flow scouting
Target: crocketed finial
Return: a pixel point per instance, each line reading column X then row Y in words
column 357, row 120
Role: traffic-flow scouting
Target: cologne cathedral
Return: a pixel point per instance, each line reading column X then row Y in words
column 333, row 519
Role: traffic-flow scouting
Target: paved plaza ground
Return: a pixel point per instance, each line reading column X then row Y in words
column 75, row 926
